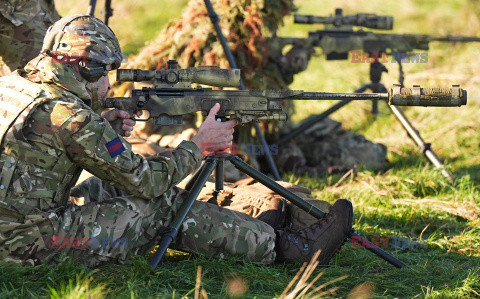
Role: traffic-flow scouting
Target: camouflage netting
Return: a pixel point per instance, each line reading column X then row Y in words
column 247, row 26
column 192, row 41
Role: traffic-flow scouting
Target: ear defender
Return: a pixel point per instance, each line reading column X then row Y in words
column 92, row 73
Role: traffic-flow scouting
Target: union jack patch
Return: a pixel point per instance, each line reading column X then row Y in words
column 115, row 147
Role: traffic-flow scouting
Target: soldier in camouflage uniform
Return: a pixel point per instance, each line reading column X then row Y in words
column 22, row 27
column 50, row 131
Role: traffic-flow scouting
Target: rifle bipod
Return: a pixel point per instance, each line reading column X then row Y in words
column 233, row 64
column 376, row 70
column 215, row 162
column 107, row 10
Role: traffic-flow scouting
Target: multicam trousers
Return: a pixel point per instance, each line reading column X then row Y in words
column 112, row 225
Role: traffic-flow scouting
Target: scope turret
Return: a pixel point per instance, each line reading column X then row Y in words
column 206, row 75
column 362, row 19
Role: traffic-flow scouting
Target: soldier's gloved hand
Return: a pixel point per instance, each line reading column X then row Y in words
column 127, row 124
column 214, row 136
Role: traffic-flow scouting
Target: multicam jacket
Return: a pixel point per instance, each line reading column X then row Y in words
column 49, row 134
column 23, row 24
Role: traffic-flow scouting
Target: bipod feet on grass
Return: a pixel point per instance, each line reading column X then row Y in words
column 303, row 204
column 198, row 181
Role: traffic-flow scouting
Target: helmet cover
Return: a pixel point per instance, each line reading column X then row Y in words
column 85, row 39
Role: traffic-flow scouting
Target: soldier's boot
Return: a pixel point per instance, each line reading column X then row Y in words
column 275, row 213
column 328, row 235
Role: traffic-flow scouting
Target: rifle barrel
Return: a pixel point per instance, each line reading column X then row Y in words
column 340, row 96
column 416, row 96
column 454, row 38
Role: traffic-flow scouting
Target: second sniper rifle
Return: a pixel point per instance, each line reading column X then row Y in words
column 172, row 96
column 338, row 38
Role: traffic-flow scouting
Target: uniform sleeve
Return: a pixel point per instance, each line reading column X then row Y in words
column 93, row 144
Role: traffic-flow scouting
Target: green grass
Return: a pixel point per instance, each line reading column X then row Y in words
column 410, row 200
column 134, row 22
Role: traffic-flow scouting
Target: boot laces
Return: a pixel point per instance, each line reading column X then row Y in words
column 302, row 235
column 328, row 218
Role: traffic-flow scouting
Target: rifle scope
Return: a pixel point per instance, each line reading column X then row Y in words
column 206, row 75
column 362, row 19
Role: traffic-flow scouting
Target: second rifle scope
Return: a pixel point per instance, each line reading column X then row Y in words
column 362, row 19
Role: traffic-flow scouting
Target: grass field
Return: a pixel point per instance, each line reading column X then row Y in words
column 411, row 200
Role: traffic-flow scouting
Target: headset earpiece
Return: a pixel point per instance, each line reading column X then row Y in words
column 92, row 74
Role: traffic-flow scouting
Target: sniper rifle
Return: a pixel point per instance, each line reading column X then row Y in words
column 172, row 96
column 339, row 37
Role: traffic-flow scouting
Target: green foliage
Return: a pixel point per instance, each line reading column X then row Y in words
column 81, row 289
column 410, row 200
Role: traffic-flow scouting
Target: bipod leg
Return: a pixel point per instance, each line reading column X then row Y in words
column 319, row 117
column 312, row 121
column 233, row 64
column 219, row 176
column 306, row 206
column 107, row 11
column 424, row 147
column 363, row 88
column 412, row 132
column 172, row 229
column 91, row 8
column 376, row 87
column 194, row 178
column 376, row 70
column 267, row 153
column 374, row 108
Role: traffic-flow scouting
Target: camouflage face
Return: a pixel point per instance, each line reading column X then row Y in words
column 84, row 39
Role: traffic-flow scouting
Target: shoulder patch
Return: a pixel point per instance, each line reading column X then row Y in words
column 115, row 147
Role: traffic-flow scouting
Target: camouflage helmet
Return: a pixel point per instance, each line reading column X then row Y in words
column 85, row 39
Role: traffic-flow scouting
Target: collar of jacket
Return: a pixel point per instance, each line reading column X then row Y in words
column 44, row 69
